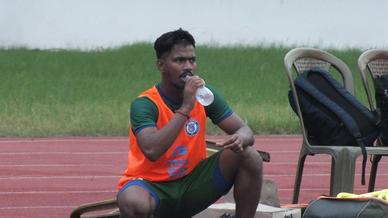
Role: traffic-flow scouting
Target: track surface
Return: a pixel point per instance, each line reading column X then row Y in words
column 49, row 177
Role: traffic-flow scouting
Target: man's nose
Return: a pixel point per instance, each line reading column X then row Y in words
column 188, row 64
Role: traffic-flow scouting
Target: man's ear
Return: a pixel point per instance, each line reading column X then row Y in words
column 159, row 64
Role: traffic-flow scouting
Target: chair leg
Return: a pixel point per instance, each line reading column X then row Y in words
column 298, row 178
column 373, row 172
column 342, row 172
column 99, row 206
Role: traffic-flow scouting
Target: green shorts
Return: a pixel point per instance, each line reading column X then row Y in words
column 189, row 195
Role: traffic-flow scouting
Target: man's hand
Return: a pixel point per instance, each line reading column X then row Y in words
column 234, row 143
column 240, row 135
column 191, row 86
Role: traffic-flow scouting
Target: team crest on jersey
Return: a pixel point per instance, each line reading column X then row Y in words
column 192, row 127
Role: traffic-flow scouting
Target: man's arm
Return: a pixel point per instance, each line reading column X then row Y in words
column 155, row 142
column 240, row 133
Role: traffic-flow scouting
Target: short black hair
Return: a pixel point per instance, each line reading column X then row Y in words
column 166, row 41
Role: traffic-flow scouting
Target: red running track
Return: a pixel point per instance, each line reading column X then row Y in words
column 49, row 177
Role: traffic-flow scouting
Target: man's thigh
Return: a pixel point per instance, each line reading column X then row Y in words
column 195, row 192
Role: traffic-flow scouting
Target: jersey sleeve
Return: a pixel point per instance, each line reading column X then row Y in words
column 143, row 113
column 219, row 109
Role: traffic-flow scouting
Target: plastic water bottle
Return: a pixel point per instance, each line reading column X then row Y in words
column 204, row 95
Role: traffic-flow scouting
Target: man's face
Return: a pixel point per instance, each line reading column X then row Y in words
column 181, row 61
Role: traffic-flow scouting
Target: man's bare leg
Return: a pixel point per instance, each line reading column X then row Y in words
column 246, row 170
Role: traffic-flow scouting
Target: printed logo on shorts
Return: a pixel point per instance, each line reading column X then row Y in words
column 192, row 127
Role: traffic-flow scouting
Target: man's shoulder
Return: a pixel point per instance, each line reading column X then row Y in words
column 142, row 102
column 143, row 112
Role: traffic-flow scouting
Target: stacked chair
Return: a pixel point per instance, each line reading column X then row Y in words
column 373, row 64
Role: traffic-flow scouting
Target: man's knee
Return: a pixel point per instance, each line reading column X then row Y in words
column 135, row 209
column 132, row 205
column 252, row 159
column 248, row 161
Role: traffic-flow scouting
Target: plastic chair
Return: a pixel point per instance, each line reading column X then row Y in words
column 343, row 158
column 373, row 62
column 109, row 209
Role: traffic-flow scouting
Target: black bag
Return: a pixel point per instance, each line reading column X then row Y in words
column 381, row 95
column 332, row 115
column 326, row 207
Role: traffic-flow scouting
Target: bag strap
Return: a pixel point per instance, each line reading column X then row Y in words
column 351, row 99
column 364, row 158
column 304, row 84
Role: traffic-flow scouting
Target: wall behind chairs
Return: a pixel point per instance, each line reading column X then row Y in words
column 90, row 24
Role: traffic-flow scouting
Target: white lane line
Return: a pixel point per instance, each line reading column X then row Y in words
column 288, row 163
column 56, row 177
column 272, row 153
column 280, row 163
column 308, row 163
column 64, row 140
column 58, row 192
column 315, row 189
column 63, row 152
column 56, row 165
column 37, row 207
column 97, row 153
column 319, row 174
column 260, row 139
